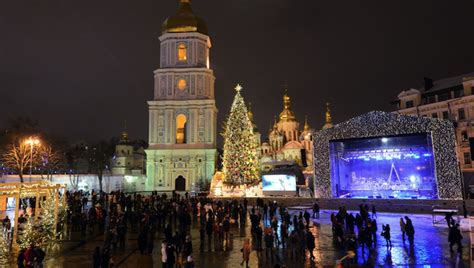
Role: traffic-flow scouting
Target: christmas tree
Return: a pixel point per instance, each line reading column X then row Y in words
column 240, row 160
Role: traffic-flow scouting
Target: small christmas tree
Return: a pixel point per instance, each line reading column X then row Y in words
column 240, row 161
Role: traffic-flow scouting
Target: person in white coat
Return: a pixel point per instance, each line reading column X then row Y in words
column 164, row 257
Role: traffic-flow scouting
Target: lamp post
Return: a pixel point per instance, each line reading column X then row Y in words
column 32, row 142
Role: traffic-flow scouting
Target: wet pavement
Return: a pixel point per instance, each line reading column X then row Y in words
column 431, row 249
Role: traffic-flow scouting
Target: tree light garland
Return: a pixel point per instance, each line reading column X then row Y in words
column 240, row 161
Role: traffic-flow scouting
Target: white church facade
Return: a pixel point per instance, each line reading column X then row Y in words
column 182, row 149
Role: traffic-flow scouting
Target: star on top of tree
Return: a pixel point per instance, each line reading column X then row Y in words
column 238, row 88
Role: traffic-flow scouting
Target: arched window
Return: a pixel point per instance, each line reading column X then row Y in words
column 181, row 129
column 182, row 52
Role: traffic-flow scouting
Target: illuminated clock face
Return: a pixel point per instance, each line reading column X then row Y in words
column 181, row 84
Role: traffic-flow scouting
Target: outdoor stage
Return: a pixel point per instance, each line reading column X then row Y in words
column 388, row 157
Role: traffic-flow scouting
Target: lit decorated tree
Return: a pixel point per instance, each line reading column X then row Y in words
column 240, row 161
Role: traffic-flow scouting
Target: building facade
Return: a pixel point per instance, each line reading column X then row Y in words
column 450, row 98
column 128, row 159
column 287, row 144
column 182, row 116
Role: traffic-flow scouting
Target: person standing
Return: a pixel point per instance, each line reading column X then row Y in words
column 374, row 212
column 170, row 257
column 402, row 228
column 464, row 208
column 455, row 238
column 30, row 256
column 409, row 229
column 97, row 258
column 306, row 217
column 246, row 249
column 164, row 257
column 316, row 210
column 20, row 260
column 386, row 235
column 310, row 245
column 269, row 240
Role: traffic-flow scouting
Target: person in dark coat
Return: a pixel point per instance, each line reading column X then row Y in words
column 386, row 235
column 171, row 259
column 455, row 238
column 97, row 258
column 410, row 230
column 142, row 242
column 316, row 210
column 269, row 240
column 20, row 260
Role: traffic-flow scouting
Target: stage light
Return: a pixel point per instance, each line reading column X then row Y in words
column 384, row 140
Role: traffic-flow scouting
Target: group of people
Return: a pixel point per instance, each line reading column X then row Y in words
column 275, row 230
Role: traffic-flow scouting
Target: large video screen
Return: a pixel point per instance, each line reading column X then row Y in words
column 278, row 183
column 393, row 167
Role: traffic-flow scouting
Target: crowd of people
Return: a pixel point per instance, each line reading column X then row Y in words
column 276, row 232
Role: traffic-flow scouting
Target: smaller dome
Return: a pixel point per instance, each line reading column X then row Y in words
column 184, row 21
column 287, row 114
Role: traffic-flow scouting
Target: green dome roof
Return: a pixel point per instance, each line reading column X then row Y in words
column 184, row 21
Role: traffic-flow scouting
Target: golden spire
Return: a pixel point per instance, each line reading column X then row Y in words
column 249, row 112
column 124, row 136
column 275, row 125
column 287, row 115
column 306, row 125
column 328, row 114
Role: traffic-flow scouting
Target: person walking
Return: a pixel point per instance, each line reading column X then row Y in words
column 455, row 238
column 402, row 228
column 246, row 249
column 374, row 212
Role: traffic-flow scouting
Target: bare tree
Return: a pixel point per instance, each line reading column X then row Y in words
column 50, row 160
column 18, row 156
column 99, row 158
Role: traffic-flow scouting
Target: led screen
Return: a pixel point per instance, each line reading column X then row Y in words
column 399, row 167
column 278, row 182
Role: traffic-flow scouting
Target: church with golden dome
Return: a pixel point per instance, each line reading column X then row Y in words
column 288, row 144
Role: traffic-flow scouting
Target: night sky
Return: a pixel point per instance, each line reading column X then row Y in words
column 83, row 67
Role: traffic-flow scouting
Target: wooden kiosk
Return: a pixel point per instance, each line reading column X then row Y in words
column 38, row 189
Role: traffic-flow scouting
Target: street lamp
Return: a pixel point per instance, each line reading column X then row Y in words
column 32, row 142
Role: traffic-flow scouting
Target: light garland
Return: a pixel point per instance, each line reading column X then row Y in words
column 240, row 161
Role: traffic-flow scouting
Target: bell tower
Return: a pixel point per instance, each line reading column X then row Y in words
column 183, row 114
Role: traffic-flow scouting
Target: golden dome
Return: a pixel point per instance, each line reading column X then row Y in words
column 306, row 125
column 287, row 114
column 184, row 21
column 328, row 123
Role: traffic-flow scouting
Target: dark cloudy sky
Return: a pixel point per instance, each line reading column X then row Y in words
column 83, row 67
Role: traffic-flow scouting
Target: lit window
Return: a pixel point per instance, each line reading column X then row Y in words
column 181, row 129
column 182, row 52
column 181, row 84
